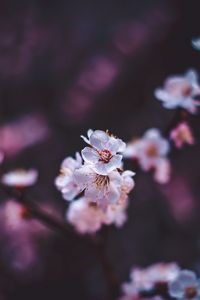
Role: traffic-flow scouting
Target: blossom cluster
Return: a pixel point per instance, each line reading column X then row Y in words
column 97, row 178
column 162, row 279
column 152, row 149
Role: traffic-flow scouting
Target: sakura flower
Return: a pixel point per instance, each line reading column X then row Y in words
column 65, row 182
column 185, row 286
column 103, row 153
column 101, row 189
column 149, row 278
column 87, row 217
column 182, row 134
column 196, row 43
column 151, row 153
column 20, row 178
column 180, row 91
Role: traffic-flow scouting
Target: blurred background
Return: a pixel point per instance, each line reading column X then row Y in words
column 66, row 66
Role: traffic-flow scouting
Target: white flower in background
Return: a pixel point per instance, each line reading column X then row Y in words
column 182, row 134
column 151, row 153
column 196, row 43
column 20, row 178
column 180, row 91
column 87, row 217
column 101, row 189
column 148, row 278
column 185, row 286
column 65, row 182
column 103, row 153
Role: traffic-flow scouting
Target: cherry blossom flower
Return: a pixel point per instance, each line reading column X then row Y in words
column 87, row 217
column 185, row 286
column 181, row 135
column 65, row 182
column 20, row 178
column 103, row 153
column 151, row 153
column 148, row 278
column 101, row 189
column 180, row 91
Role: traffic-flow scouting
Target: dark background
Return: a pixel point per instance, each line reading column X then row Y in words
column 95, row 64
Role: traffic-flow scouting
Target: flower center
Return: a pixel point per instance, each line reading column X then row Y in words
column 190, row 292
column 102, row 180
column 186, row 90
column 152, row 151
column 180, row 89
column 105, row 155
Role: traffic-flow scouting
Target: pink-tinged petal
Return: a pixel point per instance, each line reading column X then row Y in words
column 115, row 178
column 191, row 76
column 78, row 159
column 69, row 163
column 20, row 178
column 187, row 278
column 113, row 194
column 162, row 95
column 98, row 139
column 163, row 147
column 114, row 163
column 115, row 145
column 93, row 193
column 128, row 173
column 90, row 155
column 70, row 192
column 132, row 150
column 152, row 133
column 84, row 176
column 85, row 139
column 176, row 289
column 100, row 167
column 162, row 171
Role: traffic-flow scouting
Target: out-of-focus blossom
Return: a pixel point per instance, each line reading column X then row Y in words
column 180, row 91
column 65, row 182
column 20, row 233
column 87, row 217
column 151, row 153
column 127, row 185
column 22, row 133
column 98, row 74
column 185, row 286
column 103, row 151
column 182, row 134
column 20, row 178
column 196, row 43
column 148, row 278
column 180, row 198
